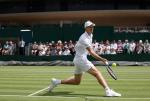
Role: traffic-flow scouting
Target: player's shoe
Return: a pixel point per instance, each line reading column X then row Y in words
column 111, row 93
column 54, row 83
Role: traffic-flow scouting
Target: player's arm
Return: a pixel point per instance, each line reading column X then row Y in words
column 96, row 56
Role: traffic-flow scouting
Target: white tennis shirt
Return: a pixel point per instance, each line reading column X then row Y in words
column 84, row 41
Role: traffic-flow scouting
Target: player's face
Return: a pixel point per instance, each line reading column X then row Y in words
column 90, row 29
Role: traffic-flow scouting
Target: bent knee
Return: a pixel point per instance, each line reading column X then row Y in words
column 96, row 73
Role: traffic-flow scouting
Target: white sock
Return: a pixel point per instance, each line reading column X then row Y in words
column 107, row 88
column 58, row 81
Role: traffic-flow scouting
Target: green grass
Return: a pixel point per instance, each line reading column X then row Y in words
column 17, row 82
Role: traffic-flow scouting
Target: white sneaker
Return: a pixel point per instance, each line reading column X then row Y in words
column 111, row 93
column 53, row 84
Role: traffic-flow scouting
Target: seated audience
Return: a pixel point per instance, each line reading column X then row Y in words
column 126, row 46
column 68, row 48
column 113, row 47
column 132, row 46
column 34, row 48
column 119, row 47
column 5, row 50
column 139, row 47
column 146, row 47
column 107, row 47
column 66, row 51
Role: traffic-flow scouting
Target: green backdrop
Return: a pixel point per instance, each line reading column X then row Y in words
column 67, row 32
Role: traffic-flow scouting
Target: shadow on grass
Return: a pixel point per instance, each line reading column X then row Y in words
column 69, row 94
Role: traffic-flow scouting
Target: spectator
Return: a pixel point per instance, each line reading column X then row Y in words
column 42, row 52
column 22, row 47
column 119, row 47
column 34, row 48
column 132, row 46
column 53, row 50
column 59, row 52
column 94, row 48
column 65, row 44
column 70, row 45
column 101, row 48
column 66, row 51
column 126, row 46
column 146, row 47
column 48, row 51
column 11, row 48
column 59, row 45
column 139, row 47
column 95, row 44
column 107, row 47
column 42, row 49
column 113, row 47
column 72, row 51
column 5, row 50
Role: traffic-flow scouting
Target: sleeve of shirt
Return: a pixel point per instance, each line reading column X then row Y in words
column 85, row 43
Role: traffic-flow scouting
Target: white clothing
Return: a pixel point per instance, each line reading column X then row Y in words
column 113, row 46
column 107, row 49
column 21, row 43
column 132, row 47
column 66, row 52
column 81, row 62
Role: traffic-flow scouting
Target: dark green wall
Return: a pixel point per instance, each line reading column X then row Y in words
column 68, row 32
column 55, row 32
column 11, row 31
column 132, row 36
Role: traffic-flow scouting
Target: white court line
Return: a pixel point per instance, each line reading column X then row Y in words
column 37, row 96
column 86, row 97
column 132, row 79
column 113, row 98
column 38, row 91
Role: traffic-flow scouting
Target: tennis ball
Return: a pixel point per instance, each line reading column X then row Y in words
column 114, row 64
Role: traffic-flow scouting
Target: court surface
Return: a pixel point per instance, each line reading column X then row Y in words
column 28, row 83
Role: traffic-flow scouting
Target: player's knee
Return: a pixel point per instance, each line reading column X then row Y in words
column 95, row 74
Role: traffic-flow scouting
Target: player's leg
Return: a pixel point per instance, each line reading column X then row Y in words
column 96, row 73
column 74, row 80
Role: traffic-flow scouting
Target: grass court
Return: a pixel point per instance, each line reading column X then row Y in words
column 18, row 82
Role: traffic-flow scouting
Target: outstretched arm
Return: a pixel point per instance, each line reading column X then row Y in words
column 96, row 56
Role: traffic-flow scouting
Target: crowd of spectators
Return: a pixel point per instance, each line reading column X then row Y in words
column 8, row 48
column 68, row 48
column 52, row 48
column 120, row 47
column 101, row 48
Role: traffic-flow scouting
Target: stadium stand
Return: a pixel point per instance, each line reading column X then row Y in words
column 121, row 27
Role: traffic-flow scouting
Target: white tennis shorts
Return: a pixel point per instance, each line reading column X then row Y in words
column 82, row 65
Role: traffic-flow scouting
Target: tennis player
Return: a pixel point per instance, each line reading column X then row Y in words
column 82, row 64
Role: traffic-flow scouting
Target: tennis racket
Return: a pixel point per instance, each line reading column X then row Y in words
column 110, row 71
